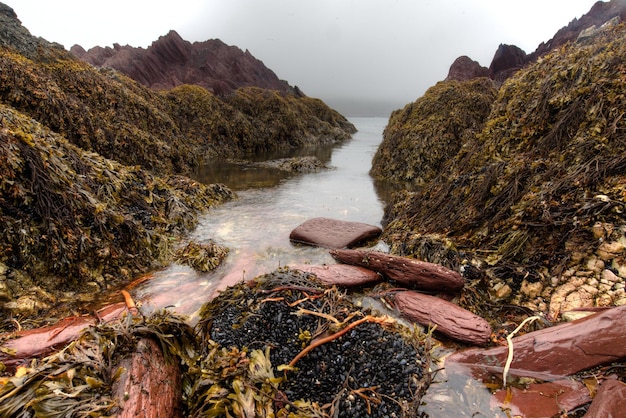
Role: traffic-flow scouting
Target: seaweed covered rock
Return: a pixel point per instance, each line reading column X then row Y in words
column 420, row 139
column 72, row 219
column 287, row 343
column 537, row 196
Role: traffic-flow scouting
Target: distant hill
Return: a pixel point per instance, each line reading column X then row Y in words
column 171, row 61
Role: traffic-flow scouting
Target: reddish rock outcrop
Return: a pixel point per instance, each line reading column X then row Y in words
column 464, row 68
column 333, row 233
column 171, row 61
column 409, row 271
column 506, row 62
column 451, row 320
column 341, row 275
column 561, row 350
column 600, row 13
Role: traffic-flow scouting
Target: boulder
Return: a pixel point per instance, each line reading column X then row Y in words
column 610, row 401
column 341, row 275
column 419, row 274
column 451, row 320
column 561, row 350
column 149, row 386
column 333, row 233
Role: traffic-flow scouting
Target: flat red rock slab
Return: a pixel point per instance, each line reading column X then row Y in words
column 451, row 320
column 543, row 399
column 333, row 233
column 561, row 350
column 409, row 271
column 340, row 274
column 610, row 401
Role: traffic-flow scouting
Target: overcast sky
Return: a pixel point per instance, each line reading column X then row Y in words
column 387, row 51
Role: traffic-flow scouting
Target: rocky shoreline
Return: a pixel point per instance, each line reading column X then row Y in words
column 509, row 236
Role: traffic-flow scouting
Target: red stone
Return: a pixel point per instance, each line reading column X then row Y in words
column 418, row 274
column 451, row 320
column 333, row 233
column 610, row 401
column 340, row 274
column 561, row 350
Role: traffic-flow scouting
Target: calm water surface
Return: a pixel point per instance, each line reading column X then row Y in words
column 256, row 228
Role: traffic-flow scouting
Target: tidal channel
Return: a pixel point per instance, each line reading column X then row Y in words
column 256, row 227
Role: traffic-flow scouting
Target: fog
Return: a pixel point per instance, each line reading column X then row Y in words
column 360, row 56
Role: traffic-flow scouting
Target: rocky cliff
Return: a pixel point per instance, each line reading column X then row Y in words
column 171, row 61
column 509, row 58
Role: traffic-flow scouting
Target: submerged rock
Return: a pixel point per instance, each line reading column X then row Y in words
column 547, row 399
column 341, row 275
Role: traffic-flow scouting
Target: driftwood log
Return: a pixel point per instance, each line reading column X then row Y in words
column 340, row 274
column 561, row 350
column 451, row 320
column 149, row 386
column 415, row 273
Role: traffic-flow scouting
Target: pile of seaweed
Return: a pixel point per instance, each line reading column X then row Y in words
column 72, row 219
column 548, row 164
column 84, row 379
column 282, row 346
